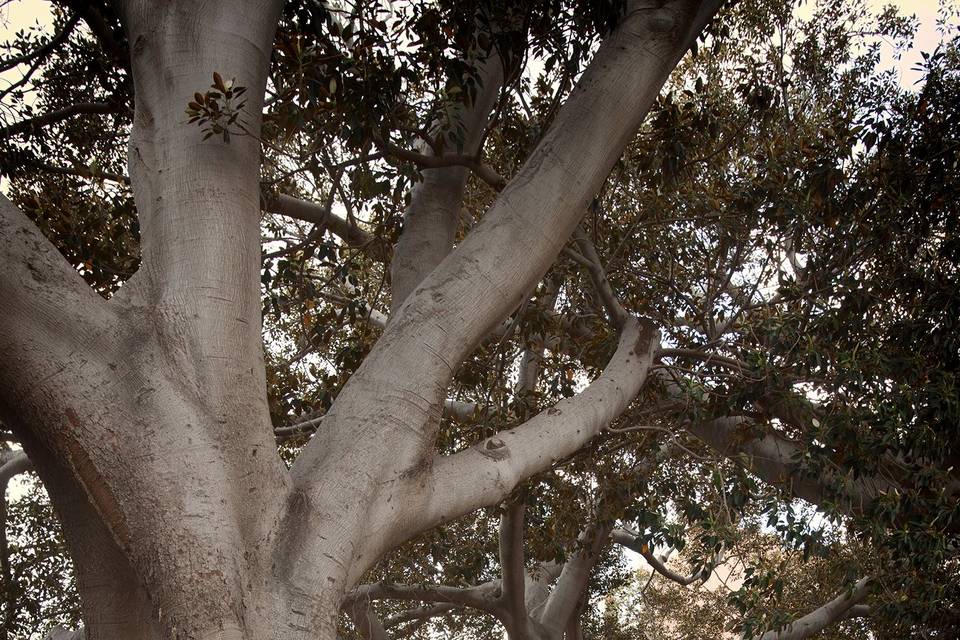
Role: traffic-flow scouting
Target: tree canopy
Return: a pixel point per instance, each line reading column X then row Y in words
column 785, row 219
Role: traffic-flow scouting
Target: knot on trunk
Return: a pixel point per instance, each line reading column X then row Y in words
column 496, row 449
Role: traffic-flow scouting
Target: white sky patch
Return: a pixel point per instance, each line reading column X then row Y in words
column 926, row 38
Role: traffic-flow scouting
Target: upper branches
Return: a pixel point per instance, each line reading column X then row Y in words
column 392, row 416
column 43, row 120
column 44, row 50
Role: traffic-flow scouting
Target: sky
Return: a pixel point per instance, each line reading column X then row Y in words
column 20, row 14
column 925, row 39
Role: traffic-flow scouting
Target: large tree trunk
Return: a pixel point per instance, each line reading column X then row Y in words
column 146, row 415
column 155, row 402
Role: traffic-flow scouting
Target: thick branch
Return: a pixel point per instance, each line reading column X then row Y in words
column 538, row 586
column 562, row 603
column 486, row 473
column 365, row 620
column 51, row 326
column 511, row 559
column 819, row 619
column 38, row 287
column 430, row 220
column 777, row 461
column 12, row 463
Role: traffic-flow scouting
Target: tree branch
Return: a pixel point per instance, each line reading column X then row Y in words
column 46, row 304
column 484, row 597
column 44, row 50
column 424, row 161
column 628, row 540
column 461, row 410
column 81, row 172
column 430, row 220
column 458, row 409
column 62, row 633
column 511, row 560
column 12, row 463
column 711, row 359
column 819, row 619
column 419, row 613
column 318, row 214
column 614, row 309
column 562, row 603
column 38, row 122
column 101, row 30
column 365, row 620
column 499, row 463
column 777, row 460
column 538, row 586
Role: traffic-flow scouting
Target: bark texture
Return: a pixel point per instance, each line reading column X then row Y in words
column 430, row 221
column 146, row 415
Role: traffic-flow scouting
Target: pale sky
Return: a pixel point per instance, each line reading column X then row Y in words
column 925, row 39
column 21, row 14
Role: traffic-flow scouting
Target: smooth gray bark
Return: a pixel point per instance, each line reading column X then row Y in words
column 430, row 220
column 819, row 619
column 146, row 415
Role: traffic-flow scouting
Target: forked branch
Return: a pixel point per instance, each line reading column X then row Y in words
column 846, row 605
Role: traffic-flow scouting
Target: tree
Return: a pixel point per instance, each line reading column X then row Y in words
column 605, row 329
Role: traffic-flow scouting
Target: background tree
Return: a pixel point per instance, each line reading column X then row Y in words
column 467, row 219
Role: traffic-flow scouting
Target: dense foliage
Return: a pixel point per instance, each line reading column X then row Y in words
column 787, row 215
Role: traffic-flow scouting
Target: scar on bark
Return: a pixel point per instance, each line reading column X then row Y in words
column 496, row 449
column 103, row 501
column 648, row 330
column 421, row 467
column 293, row 533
